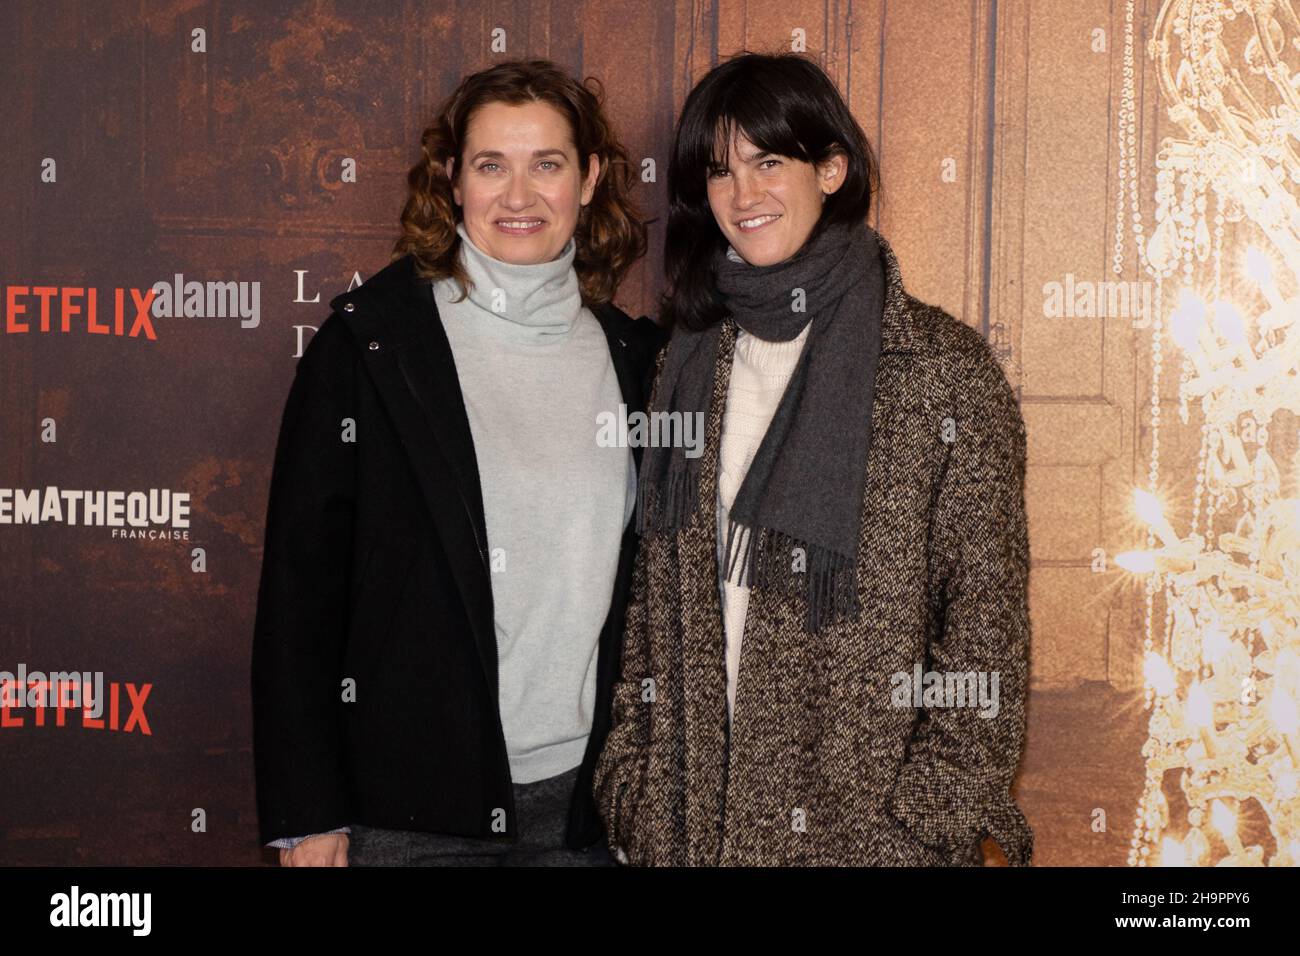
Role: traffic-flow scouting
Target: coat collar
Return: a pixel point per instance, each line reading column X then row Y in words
column 402, row 345
column 896, row 333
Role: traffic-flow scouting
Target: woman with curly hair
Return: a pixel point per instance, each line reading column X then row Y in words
column 448, row 543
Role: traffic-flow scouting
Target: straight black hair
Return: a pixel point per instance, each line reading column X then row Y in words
column 784, row 104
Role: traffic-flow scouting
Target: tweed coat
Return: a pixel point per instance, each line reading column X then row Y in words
column 820, row 767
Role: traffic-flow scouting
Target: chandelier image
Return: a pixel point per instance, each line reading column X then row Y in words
column 1222, row 592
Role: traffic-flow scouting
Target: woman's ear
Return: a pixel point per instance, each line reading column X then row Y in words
column 449, row 167
column 592, row 178
column 831, row 172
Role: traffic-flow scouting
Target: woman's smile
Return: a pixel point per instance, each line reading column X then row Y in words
column 757, row 222
column 521, row 226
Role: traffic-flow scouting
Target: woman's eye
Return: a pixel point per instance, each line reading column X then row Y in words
column 717, row 173
column 774, row 162
column 488, row 167
column 548, row 164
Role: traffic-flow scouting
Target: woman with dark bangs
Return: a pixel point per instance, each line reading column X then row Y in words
column 449, row 543
column 857, row 517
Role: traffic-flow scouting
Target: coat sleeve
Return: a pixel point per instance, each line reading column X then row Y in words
column 303, row 609
column 954, row 786
column 619, row 769
column 288, row 843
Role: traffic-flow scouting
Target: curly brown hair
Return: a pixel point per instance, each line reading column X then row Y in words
column 610, row 234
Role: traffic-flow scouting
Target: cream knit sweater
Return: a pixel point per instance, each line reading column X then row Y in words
column 760, row 371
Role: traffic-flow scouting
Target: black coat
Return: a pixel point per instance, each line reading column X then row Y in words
column 375, row 570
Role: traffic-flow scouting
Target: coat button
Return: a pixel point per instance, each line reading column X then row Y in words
column 374, row 346
column 348, row 307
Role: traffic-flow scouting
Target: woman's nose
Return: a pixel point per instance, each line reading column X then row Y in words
column 744, row 192
column 519, row 194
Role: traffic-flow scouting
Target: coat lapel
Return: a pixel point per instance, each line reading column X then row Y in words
column 703, row 651
column 405, row 351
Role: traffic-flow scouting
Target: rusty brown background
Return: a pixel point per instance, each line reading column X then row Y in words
column 223, row 165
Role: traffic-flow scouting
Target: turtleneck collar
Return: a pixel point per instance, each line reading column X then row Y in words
column 537, row 302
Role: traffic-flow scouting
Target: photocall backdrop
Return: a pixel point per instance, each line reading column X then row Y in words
column 1072, row 192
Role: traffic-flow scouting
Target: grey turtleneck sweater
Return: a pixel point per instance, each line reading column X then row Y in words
column 535, row 370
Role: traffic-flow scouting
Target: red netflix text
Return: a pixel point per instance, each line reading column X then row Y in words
column 12, row 716
column 33, row 309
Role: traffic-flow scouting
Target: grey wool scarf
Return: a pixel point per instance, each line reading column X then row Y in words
column 803, row 492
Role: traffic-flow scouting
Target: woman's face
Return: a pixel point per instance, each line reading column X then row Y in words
column 520, row 186
column 767, row 205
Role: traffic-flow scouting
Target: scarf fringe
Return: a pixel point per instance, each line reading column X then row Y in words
column 758, row 558
column 764, row 559
column 667, row 508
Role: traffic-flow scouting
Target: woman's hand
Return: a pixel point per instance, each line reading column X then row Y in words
column 326, row 849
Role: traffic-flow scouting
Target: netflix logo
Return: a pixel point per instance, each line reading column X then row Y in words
column 37, row 700
column 33, row 309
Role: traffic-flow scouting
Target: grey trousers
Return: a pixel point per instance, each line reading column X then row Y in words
column 542, row 808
